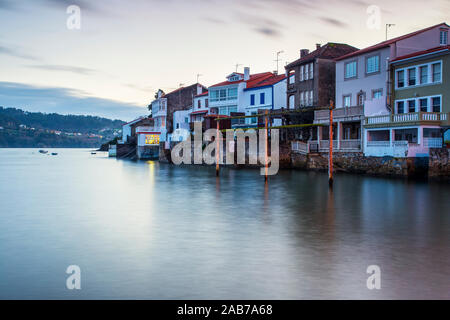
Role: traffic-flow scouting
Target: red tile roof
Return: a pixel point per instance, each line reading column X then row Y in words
column 199, row 111
column 266, row 81
column 253, row 77
column 424, row 52
column 328, row 51
column 389, row 42
column 202, row 94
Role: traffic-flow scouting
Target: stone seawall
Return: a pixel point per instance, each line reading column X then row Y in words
column 436, row 166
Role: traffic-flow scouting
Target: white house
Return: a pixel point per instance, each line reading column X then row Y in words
column 180, row 125
column 159, row 114
column 266, row 94
column 126, row 129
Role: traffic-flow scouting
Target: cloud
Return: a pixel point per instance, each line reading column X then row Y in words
column 63, row 68
column 334, row 22
column 262, row 25
column 83, row 4
column 13, row 52
column 65, row 101
column 7, row 5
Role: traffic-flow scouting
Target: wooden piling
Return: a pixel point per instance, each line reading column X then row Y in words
column 217, row 149
column 267, row 147
column 330, row 152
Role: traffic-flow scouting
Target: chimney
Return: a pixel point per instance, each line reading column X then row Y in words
column 199, row 89
column 275, row 72
column 304, row 52
column 318, row 45
column 246, row 73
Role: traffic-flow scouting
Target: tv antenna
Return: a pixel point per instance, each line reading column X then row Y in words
column 388, row 25
column 278, row 58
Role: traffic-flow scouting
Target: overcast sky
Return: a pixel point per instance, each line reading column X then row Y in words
column 126, row 50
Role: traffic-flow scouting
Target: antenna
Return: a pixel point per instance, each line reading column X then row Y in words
column 198, row 76
column 278, row 58
column 388, row 25
column 237, row 66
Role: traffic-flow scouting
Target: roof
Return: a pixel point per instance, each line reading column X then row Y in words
column 421, row 53
column 328, row 51
column 202, row 94
column 134, row 121
column 181, row 88
column 199, row 112
column 387, row 43
column 266, row 81
column 253, row 77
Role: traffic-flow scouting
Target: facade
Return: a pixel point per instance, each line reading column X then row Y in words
column 420, row 107
column 164, row 106
column 364, row 86
column 147, row 142
column 126, row 130
column 228, row 97
column 312, row 76
column 267, row 94
column 200, row 108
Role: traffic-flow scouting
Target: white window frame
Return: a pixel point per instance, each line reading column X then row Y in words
column 429, row 103
column 307, row 72
column 356, row 70
column 445, row 37
column 302, row 70
column 311, row 70
column 418, row 75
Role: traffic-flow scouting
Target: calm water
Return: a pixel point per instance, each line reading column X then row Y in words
column 150, row 230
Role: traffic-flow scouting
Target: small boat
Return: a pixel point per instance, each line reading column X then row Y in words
column 43, row 151
column 54, row 154
column 93, row 152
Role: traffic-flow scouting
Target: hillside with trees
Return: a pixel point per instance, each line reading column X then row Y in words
column 22, row 129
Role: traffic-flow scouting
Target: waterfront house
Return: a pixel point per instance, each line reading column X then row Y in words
column 311, row 83
column 420, row 109
column 164, row 106
column 363, row 85
column 127, row 130
column 266, row 94
column 312, row 76
column 200, row 108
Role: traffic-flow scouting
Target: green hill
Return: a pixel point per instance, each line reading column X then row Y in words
column 22, row 129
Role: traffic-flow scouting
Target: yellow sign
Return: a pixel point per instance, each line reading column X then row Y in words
column 152, row 139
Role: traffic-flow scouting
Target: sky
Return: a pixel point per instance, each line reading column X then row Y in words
column 125, row 50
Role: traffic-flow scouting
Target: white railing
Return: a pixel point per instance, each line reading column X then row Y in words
column 299, row 146
column 378, row 143
column 432, row 142
column 407, row 117
column 350, row 144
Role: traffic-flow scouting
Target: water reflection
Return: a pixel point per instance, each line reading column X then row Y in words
column 150, row 230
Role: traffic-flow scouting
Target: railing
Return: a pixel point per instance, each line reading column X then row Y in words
column 300, row 147
column 339, row 113
column 325, row 144
column 378, row 143
column 350, row 144
column 407, row 117
column 432, row 142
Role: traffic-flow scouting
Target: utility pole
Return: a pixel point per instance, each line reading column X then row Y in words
column 278, row 58
column 237, row 66
column 218, row 142
column 388, row 25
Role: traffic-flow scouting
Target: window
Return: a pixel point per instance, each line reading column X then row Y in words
column 262, row 98
column 436, row 72
column 199, row 104
column 350, row 70
column 311, row 98
column 186, row 120
column 206, row 103
column 360, row 98
column 252, row 99
column 223, row 94
column 232, row 94
column 400, row 79
column 306, row 71
column 373, row 64
column 436, row 104
column 347, row 100
column 423, row 103
column 423, row 74
column 376, row 94
column 302, row 98
column 443, row 39
column 412, row 77
column 255, row 119
column 302, row 70
column 291, row 101
column 311, row 71
column 401, row 107
column 412, row 106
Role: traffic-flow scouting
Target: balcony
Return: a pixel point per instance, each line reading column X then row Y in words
column 324, row 146
column 414, row 118
column 343, row 114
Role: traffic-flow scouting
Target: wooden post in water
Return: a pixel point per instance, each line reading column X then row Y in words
column 217, row 148
column 267, row 147
column 330, row 152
